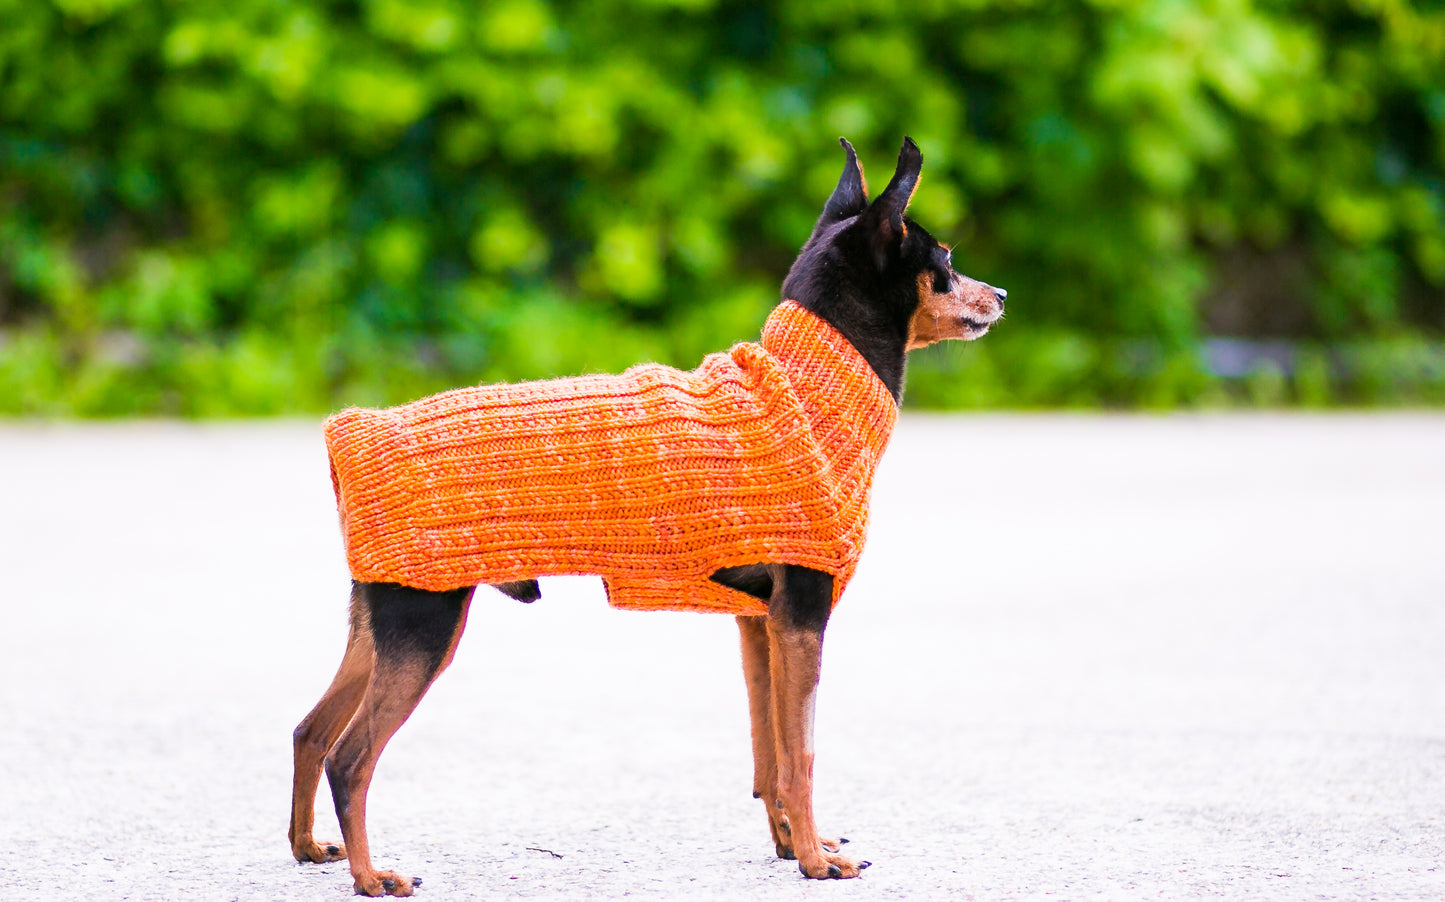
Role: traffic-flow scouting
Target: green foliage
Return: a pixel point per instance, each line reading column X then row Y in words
column 266, row 206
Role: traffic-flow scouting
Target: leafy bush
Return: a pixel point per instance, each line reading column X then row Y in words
column 261, row 206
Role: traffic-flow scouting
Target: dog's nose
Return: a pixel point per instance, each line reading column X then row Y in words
column 1000, row 294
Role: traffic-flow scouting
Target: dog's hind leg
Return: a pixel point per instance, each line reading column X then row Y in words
column 414, row 634
column 797, row 615
column 317, row 733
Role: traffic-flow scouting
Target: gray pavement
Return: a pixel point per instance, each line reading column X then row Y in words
column 1084, row 658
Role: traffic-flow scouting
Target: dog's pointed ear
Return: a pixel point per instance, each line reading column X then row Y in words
column 851, row 196
column 885, row 217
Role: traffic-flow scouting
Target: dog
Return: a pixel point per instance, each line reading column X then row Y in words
column 872, row 285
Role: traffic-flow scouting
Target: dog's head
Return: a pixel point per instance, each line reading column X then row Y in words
column 881, row 279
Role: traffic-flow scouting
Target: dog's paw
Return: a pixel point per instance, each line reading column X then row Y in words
column 785, row 846
column 386, row 883
column 832, row 867
column 320, row 853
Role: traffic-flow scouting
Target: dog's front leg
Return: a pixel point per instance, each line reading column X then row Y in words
column 797, row 615
column 754, row 632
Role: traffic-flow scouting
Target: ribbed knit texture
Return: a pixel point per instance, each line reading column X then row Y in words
column 653, row 479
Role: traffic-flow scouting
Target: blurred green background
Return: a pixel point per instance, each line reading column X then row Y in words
column 283, row 206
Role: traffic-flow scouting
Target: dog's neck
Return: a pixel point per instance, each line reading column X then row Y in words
column 835, row 279
column 872, row 333
column 836, row 382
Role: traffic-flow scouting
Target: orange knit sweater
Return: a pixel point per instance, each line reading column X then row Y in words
column 653, row 479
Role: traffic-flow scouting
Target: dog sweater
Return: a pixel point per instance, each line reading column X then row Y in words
column 653, row 479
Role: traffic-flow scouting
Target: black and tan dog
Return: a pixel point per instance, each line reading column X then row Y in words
column 883, row 283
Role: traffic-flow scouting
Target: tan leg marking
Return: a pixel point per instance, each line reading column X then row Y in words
column 795, row 658
column 396, row 687
column 316, row 735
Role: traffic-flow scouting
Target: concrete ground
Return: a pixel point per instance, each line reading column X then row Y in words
column 1084, row 658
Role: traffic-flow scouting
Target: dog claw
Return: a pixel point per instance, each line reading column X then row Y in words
column 834, row 871
column 864, row 865
column 387, row 883
column 318, row 853
column 842, row 839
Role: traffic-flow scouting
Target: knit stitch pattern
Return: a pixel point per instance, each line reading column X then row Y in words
column 653, row 479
